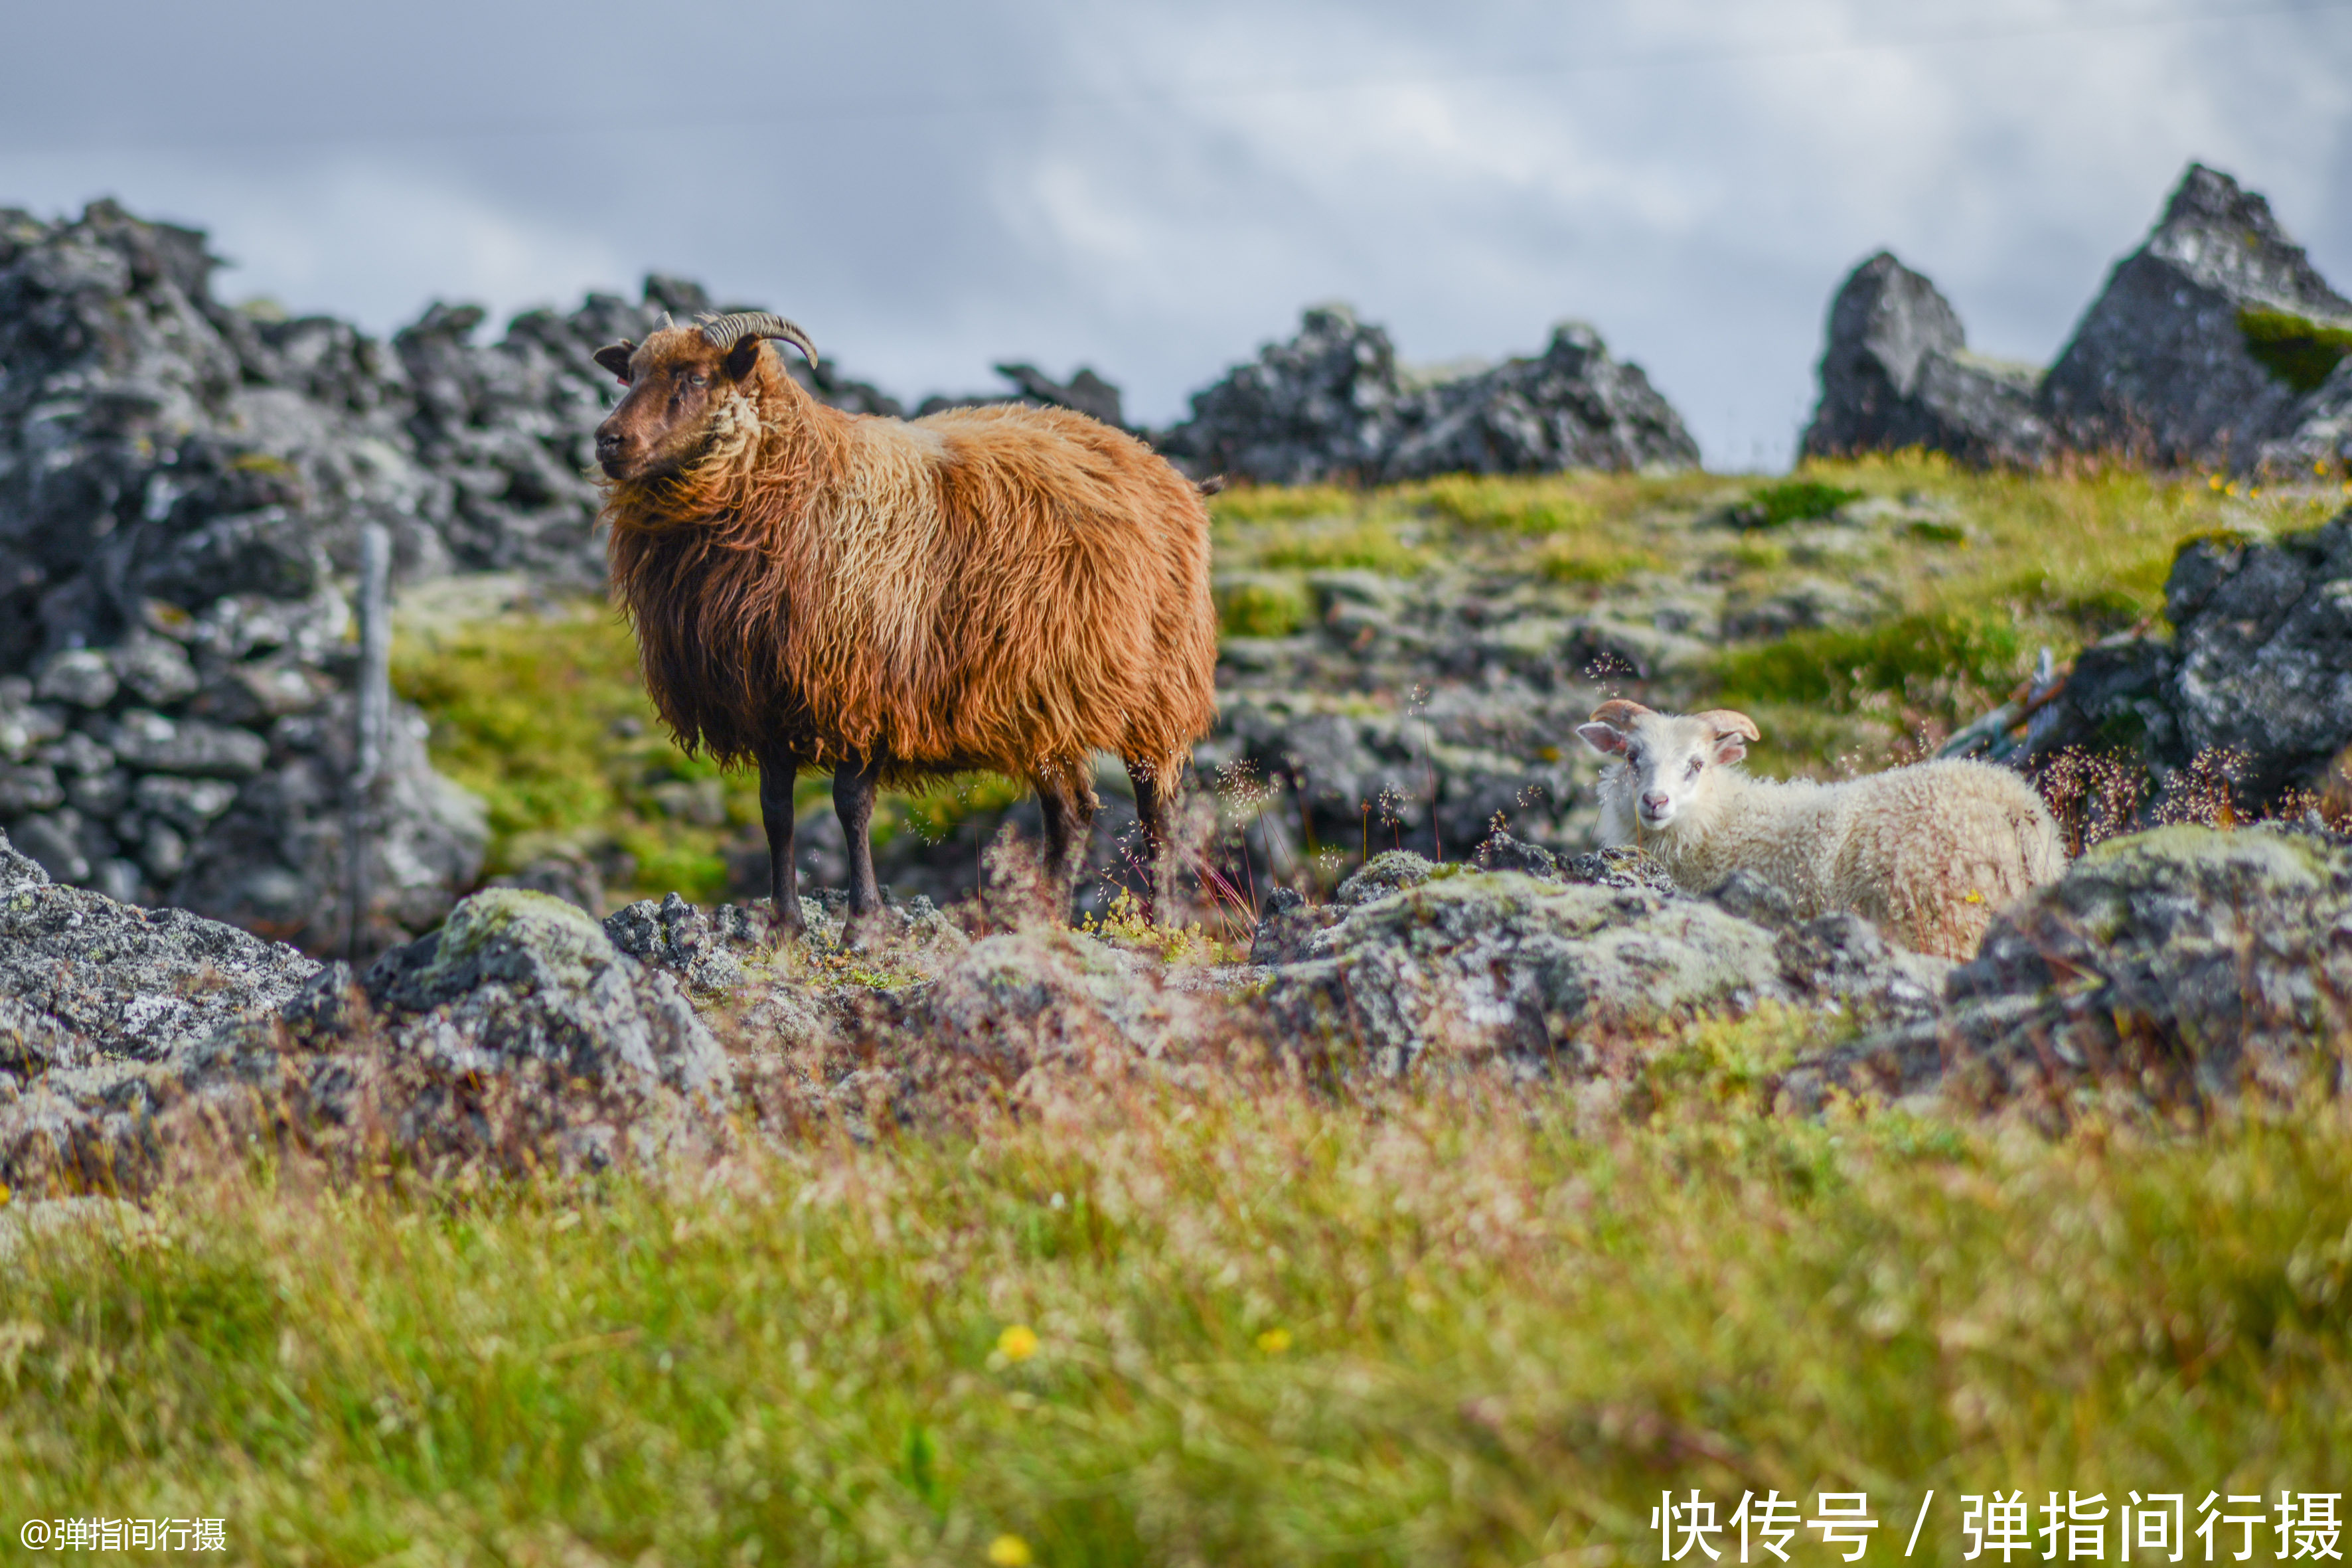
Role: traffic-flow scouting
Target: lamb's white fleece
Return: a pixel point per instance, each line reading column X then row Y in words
column 1928, row 853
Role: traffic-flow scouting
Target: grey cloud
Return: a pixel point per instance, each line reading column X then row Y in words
column 1155, row 189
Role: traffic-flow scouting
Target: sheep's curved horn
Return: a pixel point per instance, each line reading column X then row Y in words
column 1730, row 722
column 723, row 332
column 1619, row 711
column 668, row 326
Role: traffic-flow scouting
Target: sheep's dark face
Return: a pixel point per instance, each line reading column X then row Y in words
column 676, row 381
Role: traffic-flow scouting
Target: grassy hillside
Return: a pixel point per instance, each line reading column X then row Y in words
column 1246, row 1320
column 542, row 712
column 1242, row 1323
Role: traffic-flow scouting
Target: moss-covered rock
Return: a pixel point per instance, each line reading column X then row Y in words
column 2180, row 966
column 1480, row 964
column 517, row 976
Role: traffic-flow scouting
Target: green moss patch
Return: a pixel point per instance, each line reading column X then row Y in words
column 1797, row 500
column 1900, row 657
column 2297, row 349
column 1365, row 546
column 1263, row 606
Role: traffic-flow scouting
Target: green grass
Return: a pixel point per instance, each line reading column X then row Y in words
column 545, row 718
column 1370, row 546
column 1445, row 1326
column 1797, row 500
column 1264, row 605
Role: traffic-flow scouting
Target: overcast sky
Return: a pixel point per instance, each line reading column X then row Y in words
column 1155, row 189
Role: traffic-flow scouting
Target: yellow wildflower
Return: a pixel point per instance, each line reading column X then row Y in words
column 1010, row 1551
column 1018, row 1342
column 1274, row 1342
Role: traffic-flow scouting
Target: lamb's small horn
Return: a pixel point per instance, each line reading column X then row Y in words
column 668, row 326
column 1730, row 722
column 723, row 332
column 1619, row 711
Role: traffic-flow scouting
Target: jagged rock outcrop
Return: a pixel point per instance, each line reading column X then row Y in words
column 2215, row 343
column 1332, row 403
column 1085, row 392
column 2166, row 363
column 2259, row 666
column 517, row 1026
column 107, row 979
column 1898, row 374
column 1571, row 406
column 516, row 977
column 2181, row 967
column 1413, row 959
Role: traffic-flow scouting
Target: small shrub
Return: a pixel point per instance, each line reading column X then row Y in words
column 1836, row 665
column 1593, row 560
column 1283, row 503
column 1366, row 546
column 1795, row 501
column 1510, row 506
column 1263, row 607
column 1125, row 924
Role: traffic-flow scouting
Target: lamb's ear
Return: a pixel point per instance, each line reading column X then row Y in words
column 1602, row 738
column 615, row 357
column 1733, row 730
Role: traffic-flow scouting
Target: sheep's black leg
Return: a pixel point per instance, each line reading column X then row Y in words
column 1152, row 809
column 853, row 798
column 776, row 778
column 1068, row 806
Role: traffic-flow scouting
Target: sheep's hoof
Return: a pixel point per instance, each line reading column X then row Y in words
column 783, row 928
column 861, row 932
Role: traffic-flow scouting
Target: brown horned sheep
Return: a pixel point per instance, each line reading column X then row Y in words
column 1001, row 589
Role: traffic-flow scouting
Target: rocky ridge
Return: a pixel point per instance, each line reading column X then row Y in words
column 2216, row 344
column 2251, row 694
column 1334, row 404
column 2175, row 971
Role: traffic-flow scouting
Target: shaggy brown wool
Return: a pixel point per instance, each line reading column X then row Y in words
column 1004, row 589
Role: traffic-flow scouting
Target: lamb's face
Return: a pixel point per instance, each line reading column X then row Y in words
column 676, row 380
column 1667, row 762
column 1669, row 758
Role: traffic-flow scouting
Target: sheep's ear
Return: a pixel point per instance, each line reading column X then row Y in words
column 1602, row 738
column 743, row 356
column 615, row 357
column 1733, row 730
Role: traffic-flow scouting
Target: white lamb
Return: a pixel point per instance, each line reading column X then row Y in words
column 1927, row 853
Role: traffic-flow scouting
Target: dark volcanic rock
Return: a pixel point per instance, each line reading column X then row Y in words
column 2321, row 434
column 1322, row 406
column 1469, row 964
column 517, row 976
column 126, row 981
column 1331, row 404
column 1898, row 374
column 2260, row 666
column 2160, row 366
column 1572, row 407
column 517, row 1032
column 2180, row 966
column 1086, row 393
